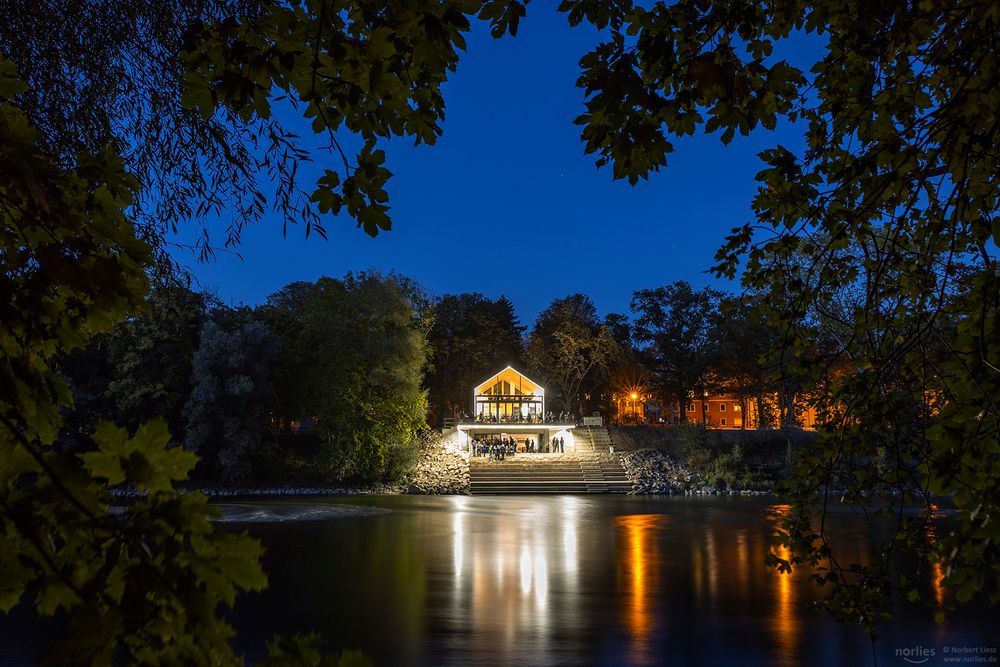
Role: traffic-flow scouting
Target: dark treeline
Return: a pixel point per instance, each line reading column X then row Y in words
column 321, row 382
column 333, row 380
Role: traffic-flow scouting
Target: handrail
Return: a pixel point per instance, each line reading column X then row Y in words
column 518, row 422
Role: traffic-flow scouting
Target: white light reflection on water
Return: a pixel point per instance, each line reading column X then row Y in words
column 541, row 583
column 529, row 580
column 525, row 569
column 513, row 569
column 570, row 515
column 458, row 504
column 459, row 540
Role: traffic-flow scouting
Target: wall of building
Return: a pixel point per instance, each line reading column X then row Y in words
column 722, row 411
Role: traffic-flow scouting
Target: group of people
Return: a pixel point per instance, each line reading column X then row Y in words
column 497, row 448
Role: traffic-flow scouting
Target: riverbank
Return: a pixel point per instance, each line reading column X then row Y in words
column 694, row 460
column 294, row 490
column 442, row 469
column 655, row 472
column 677, row 461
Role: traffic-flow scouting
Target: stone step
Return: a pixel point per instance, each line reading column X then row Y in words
column 582, row 471
column 528, row 477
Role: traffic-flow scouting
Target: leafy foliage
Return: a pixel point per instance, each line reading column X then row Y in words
column 232, row 392
column 680, row 328
column 307, row 651
column 567, row 345
column 471, row 337
column 202, row 93
column 872, row 255
column 150, row 358
column 352, row 360
column 144, row 583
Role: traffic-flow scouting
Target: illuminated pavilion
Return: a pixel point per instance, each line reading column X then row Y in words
column 512, row 405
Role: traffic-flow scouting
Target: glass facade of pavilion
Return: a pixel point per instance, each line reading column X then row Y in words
column 509, row 396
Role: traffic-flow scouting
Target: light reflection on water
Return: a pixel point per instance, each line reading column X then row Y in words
column 785, row 617
column 557, row 580
column 574, row 580
column 639, row 567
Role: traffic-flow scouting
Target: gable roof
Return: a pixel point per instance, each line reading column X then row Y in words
column 515, row 378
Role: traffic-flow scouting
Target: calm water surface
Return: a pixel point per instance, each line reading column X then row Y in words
column 564, row 580
column 568, row 580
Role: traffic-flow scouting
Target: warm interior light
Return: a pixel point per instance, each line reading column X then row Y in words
column 634, row 395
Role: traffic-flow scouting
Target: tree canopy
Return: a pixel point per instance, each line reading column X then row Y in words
column 351, row 362
column 894, row 198
column 886, row 225
column 144, row 585
column 230, row 399
column 680, row 327
column 567, row 347
column 198, row 97
column 471, row 337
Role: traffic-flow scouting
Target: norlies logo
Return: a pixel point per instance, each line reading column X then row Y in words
column 916, row 655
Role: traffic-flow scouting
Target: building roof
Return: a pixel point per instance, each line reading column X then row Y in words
column 515, row 378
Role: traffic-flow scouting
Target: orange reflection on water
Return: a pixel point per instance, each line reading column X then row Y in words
column 743, row 562
column 639, row 565
column 785, row 621
column 937, row 567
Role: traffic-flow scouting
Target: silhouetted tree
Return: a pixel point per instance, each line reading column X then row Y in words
column 894, row 193
column 567, row 346
column 351, row 359
column 151, row 358
column 471, row 337
column 232, row 394
column 744, row 360
column 172, row 82
column 678, row 327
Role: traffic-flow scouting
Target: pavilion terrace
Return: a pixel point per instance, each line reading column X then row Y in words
column 511, row 405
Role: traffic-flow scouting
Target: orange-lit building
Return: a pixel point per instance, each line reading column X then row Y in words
column 635, row 405
column 727, row 411
column 722, row 411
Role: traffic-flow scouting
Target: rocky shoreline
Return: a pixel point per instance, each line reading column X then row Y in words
column 443, row 468
column 373, row 490
column 654, row 472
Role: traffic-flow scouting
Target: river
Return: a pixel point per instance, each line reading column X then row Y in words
column 564, row 580
column 561, row 580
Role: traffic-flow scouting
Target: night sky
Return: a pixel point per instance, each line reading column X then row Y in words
column 507, row 203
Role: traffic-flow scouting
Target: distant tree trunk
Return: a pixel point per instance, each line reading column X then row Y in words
column 760, row 412
column 787, row 408
column 682, row 403
column 703, row 396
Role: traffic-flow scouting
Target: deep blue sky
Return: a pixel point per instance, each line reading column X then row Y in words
column 507, row 203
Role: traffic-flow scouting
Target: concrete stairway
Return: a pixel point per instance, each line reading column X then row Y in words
column 579, row 472
column 592, row 439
